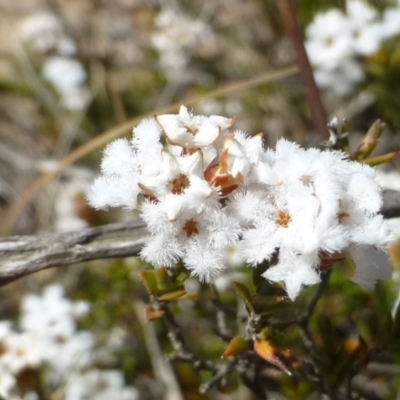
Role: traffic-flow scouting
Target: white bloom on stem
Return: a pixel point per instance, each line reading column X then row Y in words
column 180, row 184
column 200, row 238
column 321, row 204
column 193, row 131
column 296, row 270
column 124, row 164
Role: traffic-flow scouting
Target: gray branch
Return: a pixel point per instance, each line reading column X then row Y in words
column 23, row 255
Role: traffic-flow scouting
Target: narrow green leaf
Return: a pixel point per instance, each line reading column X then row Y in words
column 244, row 293
column 370, row 141
column 150, row 281
column 173, row 295
column 374, row 161
column 236, row 346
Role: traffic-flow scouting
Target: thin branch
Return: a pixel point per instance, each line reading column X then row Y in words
column 23, row 255
column 311, row 90
column 161, row 366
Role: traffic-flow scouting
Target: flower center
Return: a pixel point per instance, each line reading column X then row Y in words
column 191, row 228
column 179, row 184
column 329, row 42
column 342, row 216
column 283, row 219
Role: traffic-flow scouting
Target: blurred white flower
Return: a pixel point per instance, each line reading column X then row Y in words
column 329, row 39
column 50, row 321
column 64, row 73
column 390, row 26
column 67, row 205
column 336, row 40
column 68, row 77
column 99, row 384
column 42, row 30
column 20, row 352
column 364, row 26
column 343, row 79
column 7, row 381
column 48, row 315
column 176, row 38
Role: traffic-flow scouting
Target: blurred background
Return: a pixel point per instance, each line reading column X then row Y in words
column 70, row 71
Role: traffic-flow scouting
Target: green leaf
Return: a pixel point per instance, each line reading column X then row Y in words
column 370, row 141
column 150, row 281
column 173, row 295
column 383, row 158
column 244, row 293
column 164, row 280
column 236, row 346
column 269, row 305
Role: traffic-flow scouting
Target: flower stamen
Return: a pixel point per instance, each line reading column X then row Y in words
column 191, row 228
column 283, row 220
column 179, row 184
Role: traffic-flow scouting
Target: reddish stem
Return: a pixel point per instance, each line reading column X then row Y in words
column 311, row 90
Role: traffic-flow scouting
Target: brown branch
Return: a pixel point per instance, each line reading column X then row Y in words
column 311, row 90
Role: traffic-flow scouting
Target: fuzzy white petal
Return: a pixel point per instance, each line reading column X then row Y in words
column 372, row 264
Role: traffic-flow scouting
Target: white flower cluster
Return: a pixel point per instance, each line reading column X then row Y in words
column 335, row 40
column 43, row 33
column 48, row 337
column 203, row 190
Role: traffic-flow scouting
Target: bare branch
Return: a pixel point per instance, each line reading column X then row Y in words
column 22, row 255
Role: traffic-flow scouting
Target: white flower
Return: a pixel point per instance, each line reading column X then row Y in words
column 20, row 352
column 329, row 39
column 200, row 240
column 48, row 315
column 372, row 264
column 296, row 270
column 64, row 73
column 124, row 164
column 180, row 185
column 390, row 26
column 321, row 204
column 343, row 79
column 364, row 27
column 7, row 382
column 42, row 30
column 99, row 384
column 193, row 131
column 67, row 355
